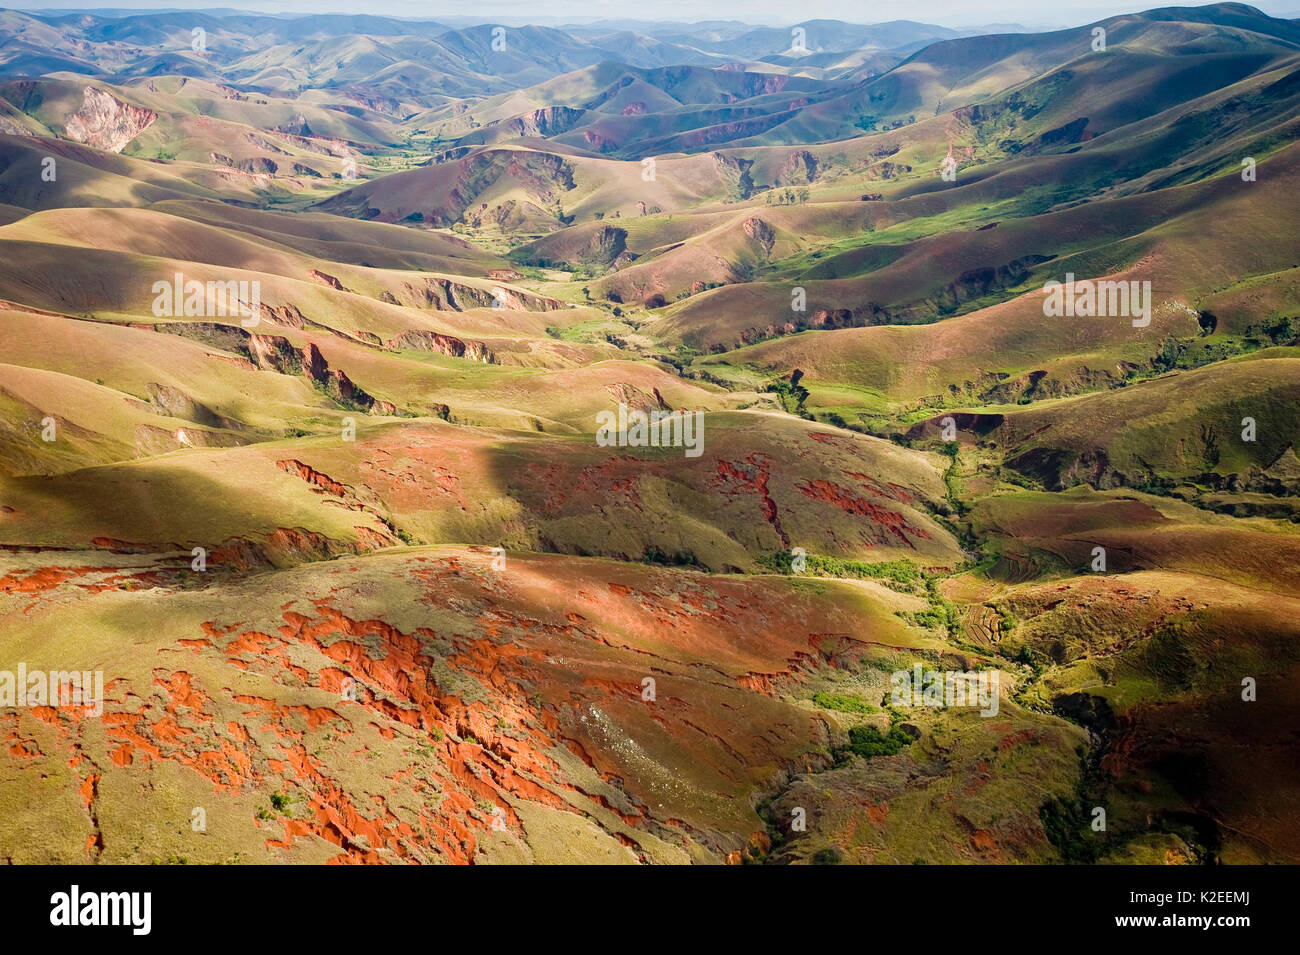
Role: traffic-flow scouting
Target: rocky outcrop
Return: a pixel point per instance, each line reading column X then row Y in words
column 262, row 143
column 761, row 233
column 258, row 166
column 446, row 295
column 636, row 399
column 325, row 279
column 278, row 354
column 602, row 144
column 735, row 172
column 273, row 353
column 799, row 169
column 290, row 316
column 763, row 84
column 421, row 340
column 606, row 249
column 374, row 103
column 317, row 479
column 297, row 127
column 540, row 123
column 337, row 148
column 107, row 123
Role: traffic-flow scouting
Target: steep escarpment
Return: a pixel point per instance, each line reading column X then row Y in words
column 277, row 353
column 105, row 122
column 448, row 294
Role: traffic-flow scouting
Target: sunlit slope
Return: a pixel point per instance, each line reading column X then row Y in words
column 760, row 484
column 1180, row 239
column 477, row 694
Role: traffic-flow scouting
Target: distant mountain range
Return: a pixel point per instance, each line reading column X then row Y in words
column 238, row 45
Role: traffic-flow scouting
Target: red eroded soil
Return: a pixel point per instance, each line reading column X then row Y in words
column 485, row 706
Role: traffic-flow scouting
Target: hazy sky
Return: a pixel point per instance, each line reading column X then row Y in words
column 1031, row 13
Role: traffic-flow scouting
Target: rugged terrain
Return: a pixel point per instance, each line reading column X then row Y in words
column 365, row 587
